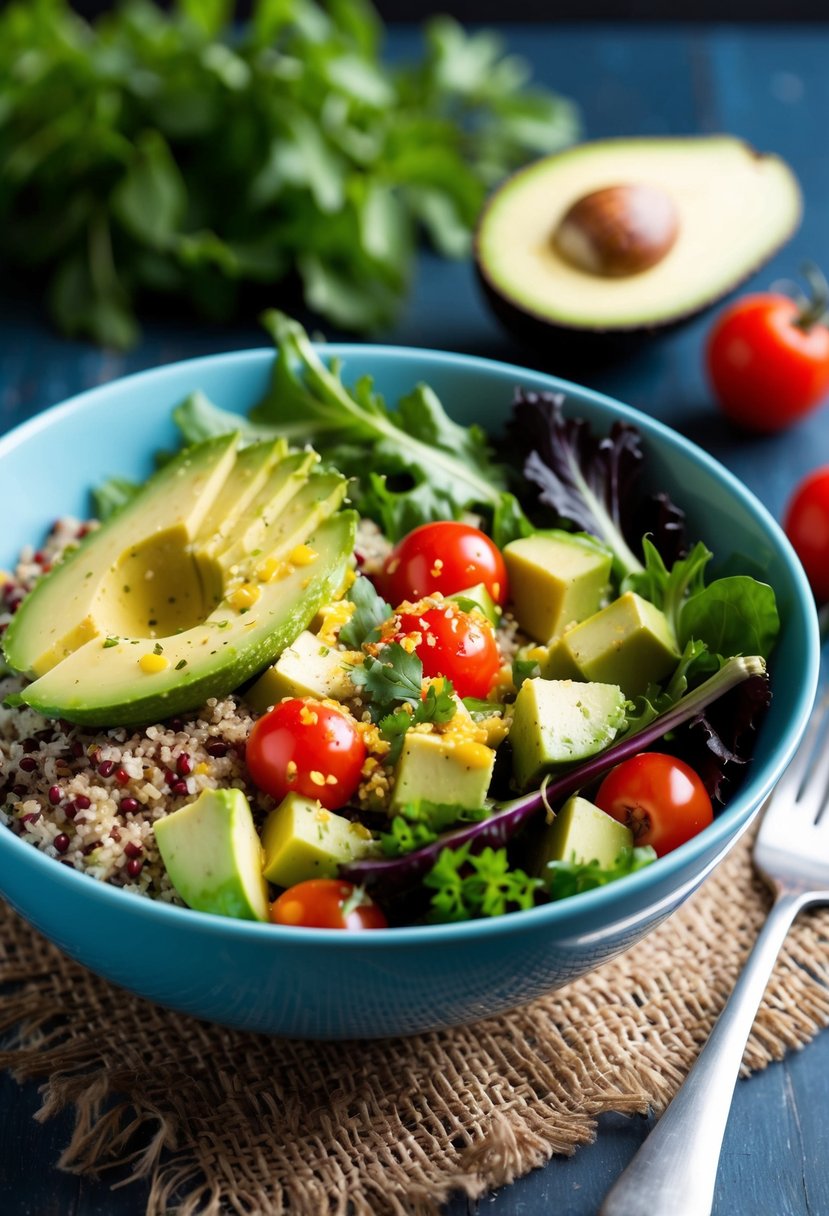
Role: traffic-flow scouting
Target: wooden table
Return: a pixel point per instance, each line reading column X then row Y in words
column 770, row 86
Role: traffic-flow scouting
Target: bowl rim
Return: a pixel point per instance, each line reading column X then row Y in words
column 713, row 838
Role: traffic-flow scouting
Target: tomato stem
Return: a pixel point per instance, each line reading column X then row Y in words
column 814, row 306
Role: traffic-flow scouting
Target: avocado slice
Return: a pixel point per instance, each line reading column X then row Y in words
column 557, row 723
column 555, row 580
column 213, row 856
column 734, row 208
column 303, row 840
column 440, row 768
column 139, row 624
column 629, row 642
column 306, row 668
column 582, row 833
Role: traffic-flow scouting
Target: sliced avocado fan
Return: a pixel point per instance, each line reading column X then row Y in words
column 190, row 589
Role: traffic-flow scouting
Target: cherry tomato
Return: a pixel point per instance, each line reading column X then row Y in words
column 806, row 523
column 327, row 903
column 768, row 359
column 445, row 557
column 454, row 644
column 659, row 798
column 309, row 748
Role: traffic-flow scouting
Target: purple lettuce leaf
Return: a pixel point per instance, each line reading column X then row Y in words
column 591, row 482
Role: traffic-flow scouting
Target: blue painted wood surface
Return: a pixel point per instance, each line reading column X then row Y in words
column 769, row 86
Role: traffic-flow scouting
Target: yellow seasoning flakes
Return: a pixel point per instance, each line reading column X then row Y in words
column 202, row 769
column 317, row 777
column 245, row 596
column 308, row 716
column 302, row 555
column 152, row 664
column 437, row 569
column 290, row 770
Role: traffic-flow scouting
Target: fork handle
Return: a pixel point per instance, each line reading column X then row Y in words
column 675, row 1170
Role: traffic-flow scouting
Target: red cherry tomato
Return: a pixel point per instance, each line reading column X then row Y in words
column 659, row 798
column 327, row 903
column 454, row 644
column 309, row 748
column 806, row 523
column 445, row 557
column 767, row 364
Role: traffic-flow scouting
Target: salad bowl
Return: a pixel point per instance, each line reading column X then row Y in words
column 319, row 983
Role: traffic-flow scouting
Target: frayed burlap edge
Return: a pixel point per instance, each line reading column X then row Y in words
column 218, row 1121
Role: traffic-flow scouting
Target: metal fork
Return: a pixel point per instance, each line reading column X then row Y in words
column 675, row 1170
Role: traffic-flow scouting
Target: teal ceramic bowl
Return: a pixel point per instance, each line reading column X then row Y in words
column 320, row 983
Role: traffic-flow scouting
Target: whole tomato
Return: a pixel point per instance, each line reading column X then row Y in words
column 327, row 903
column 455, row 644
column 308, row 748
column 661, row 799
column 768, row 357
column 806, row 523
column 448, row 556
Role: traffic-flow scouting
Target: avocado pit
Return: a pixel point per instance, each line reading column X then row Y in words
column 618, row 230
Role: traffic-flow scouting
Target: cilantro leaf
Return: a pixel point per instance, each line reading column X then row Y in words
column 370, row 610
column 566, row 878
column 386, row 681
column 439, row 705
column 467, row 886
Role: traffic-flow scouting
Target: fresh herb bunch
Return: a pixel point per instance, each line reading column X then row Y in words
column 170, row 153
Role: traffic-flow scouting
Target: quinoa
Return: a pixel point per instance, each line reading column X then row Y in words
column 90, row 798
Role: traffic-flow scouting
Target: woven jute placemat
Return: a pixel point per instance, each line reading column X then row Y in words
column 229, row 1122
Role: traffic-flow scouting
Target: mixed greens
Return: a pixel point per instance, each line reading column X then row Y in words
column 173, row 154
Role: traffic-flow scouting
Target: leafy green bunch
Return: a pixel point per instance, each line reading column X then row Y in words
column 171, row 153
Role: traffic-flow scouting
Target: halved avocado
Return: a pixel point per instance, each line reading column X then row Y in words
column 146, row 620
column 626, row 236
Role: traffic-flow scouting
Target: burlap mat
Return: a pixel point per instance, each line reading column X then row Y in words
column 228, row 1122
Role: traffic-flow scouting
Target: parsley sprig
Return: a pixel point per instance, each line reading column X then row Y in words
column 468, row 886
column 565, row 878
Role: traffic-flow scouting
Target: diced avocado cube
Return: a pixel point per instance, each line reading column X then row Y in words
column 559, row 722
column 628, row 643
column 303, row 840
column 434, row 768
column 582, row 833
column 213, row 855
column 307, row 668
column 478, row 597
column 555, row 579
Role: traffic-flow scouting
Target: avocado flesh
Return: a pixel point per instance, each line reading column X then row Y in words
column 283, row 483
column 249, row 474
column 557, row 723
column 736, row 207
column 302, row 840
column 139, row 624
column 213, row 857
column 582, row 833
column 106, row 686
column 70, row 607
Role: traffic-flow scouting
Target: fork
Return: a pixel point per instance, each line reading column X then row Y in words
column 675, row 1170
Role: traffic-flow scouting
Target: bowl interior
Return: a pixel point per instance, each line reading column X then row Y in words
column 48, row 465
